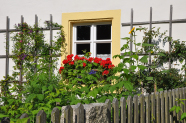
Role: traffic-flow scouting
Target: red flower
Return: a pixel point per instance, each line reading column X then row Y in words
column 90, row 59
column 76, row 57
column 110, row 66
column 105, row 72
column 97, row 60
column 61, row 68
column 108, row 59
column 69, row 57
column 82, row 58
column 84, row 64
column 103, row 62
column 59, row 71
column 65, row 61
column 71, row 63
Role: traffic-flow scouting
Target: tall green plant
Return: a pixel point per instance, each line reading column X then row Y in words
column 27, row 41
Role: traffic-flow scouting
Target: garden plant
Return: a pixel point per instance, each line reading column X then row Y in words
column 42, row 92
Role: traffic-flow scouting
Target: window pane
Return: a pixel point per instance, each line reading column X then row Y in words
column 83, row 32
column 103, row 50
column 81, row 47
column 103, row 32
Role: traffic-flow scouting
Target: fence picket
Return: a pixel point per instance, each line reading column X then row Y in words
column 147, row 104
column 141, row 101
column 115, row 106
column 41, row 117
column 68, row 114
column 108, row 102
column 79, row 113
column 166, row 107
column 162, row 107
column 170, row 105
column 174, row 103
column 177, row 96
column 123, row 109
column 153, row 107
column 157, row 95
column 129, row 108
column 184, row 101
column 135, row 102
column 55, row 115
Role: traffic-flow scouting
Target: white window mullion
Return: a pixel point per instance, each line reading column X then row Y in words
column 74, row 39
column 92, row 40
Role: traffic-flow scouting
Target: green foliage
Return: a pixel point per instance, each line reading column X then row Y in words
column 42, row 92
column 178, row 108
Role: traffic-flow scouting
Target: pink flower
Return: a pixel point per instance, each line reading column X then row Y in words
column 20, row 41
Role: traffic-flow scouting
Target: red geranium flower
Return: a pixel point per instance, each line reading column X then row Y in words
column 105, row 72
column 84, row 64
column 65, row 61
column 108, row 59
column 61, row 68
column 110, row 66
column 71, row 63
column 90, row 59
column 76, row 57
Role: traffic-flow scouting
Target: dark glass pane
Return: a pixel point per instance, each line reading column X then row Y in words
column 103, row 48
column 83, row 32
column 103, row 32
column 83, row 47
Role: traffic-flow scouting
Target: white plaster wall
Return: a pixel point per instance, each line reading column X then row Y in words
column 43, row 8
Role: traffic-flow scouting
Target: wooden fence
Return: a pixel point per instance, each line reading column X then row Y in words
column 151, row 108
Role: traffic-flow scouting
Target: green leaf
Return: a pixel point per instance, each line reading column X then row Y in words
column 126, row 38
column 172, row 109
column 95, row 64
column 161, row 89
column 126, row 70
column 125, row 46
column 146, row 44
column 183, row 116
column 135, row 56
column 128, row 85
column 44, row 88
column 102, row 99
column 149, row 78
column 2, row 115
column 57, row 100
column 133, row 67
column 112, row 88
column 138, row 44
column 30, row 97
column 50, row 87
column 153, row 66
column 23, row 120
column 144, row 59
column 40, row 96
column 30, row 107
column 90, row 65
column 165, row 71
column 178, row 109
column 142, row 67
column 93, row 93
column 161, row 54
column 10, row 101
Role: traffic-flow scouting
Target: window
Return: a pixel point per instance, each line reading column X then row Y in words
column 92, row 37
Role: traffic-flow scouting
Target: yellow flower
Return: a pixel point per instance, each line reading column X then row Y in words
column 132, row 30
column 151, row 51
